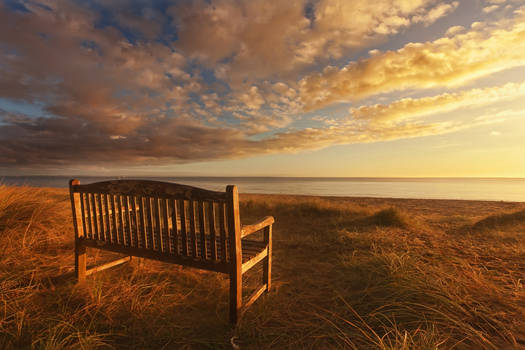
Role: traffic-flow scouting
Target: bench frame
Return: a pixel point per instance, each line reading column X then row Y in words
column 232, row 265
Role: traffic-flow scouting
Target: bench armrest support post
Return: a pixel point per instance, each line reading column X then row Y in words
column 249, row 229
column 267, row 265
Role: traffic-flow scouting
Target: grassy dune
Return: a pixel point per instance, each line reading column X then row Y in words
column 348, row 273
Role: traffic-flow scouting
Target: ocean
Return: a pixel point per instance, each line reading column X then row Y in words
column 494, row 189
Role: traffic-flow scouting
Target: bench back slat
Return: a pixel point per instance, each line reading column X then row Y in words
column 120, row 224
column 212, row 227
column 114, row 231
column 82, row 211
column 123, row 224
column 125, row 220
column 142, row 224
column 183, row 227
column 174, row 227
column 99, row 217
column 156, row 223
column 149, row 223
column 223, row 229
column 134, row 221
column 129, row 220
column 108, row 219
column 88, row 216
column 202, row 230
column 165, row 225
column 162, row 217
column 94, row 215
column 191, row 236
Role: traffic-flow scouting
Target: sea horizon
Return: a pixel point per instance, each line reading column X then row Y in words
column 458, row 188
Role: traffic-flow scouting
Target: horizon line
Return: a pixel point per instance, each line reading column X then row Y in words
column 274, row 176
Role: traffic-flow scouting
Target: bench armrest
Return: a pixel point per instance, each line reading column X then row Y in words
column 249, row 229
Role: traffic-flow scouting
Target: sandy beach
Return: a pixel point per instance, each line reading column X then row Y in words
column 355, row 273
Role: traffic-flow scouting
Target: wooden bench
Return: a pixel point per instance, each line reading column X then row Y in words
column 172, row 223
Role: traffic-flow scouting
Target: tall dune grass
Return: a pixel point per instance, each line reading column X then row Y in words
column 348, row 274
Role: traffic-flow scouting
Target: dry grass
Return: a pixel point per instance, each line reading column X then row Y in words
column 348, row 273
column 498, row 221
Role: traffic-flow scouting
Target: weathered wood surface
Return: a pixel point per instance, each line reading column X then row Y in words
column 259, row 225
column 172, row 223
column 250, row 248
column 234, row 225
column 108, row 265
column 267, row 265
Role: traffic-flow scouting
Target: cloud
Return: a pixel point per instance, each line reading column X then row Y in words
column 252, row 99
column 436, row 13
column 408, row 108
column 489, row 9
column 62, row 58
column 203, row 81
column 257, row 38
column 445, row 62
column 162, row 140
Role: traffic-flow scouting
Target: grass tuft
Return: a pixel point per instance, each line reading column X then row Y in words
column 390, row 217
column 500, row 221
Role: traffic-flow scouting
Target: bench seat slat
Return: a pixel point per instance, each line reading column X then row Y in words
column 249, row 248
column 152, row 254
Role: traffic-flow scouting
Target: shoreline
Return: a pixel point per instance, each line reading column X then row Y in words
column 372, row 198
column 316, row 196
column 478, row 189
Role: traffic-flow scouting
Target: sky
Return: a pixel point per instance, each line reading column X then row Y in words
column 407, row 88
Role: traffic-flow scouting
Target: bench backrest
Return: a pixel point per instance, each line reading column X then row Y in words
column 159, row 217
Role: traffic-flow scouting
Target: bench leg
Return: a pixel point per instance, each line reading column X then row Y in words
column 235, row 294
column 267, row 272
column 80, row 263
column 267, row 262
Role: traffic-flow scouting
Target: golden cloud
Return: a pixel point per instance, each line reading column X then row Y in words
column 448, row 61
column 146, row 102
column 408, row 108
column 259, row 38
